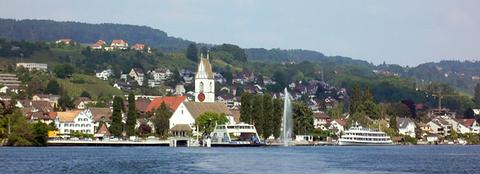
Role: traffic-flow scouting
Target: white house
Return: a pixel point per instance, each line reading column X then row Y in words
column 75, row 121
column 468, row 126
column 105, row 74
column 33, row 66
column 319, row 119
column 186, row 113
column 338, row 126
column 137, row 75
column 440, row 126
column 406, row 126
column 160, row 74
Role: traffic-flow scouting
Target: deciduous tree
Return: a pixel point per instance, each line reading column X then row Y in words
column 207, row 121
column 161, row 120
column 302, row 118
column 53, row 87
column 476, row 97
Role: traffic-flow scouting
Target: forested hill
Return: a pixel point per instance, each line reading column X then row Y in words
column 298, row 55
column 463, row 75
column 48, row 30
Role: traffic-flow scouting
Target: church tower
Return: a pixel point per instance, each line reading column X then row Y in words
column 204, row 81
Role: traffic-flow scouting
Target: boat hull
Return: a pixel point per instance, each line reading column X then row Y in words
column 236, row 145
column 354, row 143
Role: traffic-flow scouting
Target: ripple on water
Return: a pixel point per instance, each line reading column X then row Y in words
column 396, row 159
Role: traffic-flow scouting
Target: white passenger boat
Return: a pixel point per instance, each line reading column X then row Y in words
column 235, row 135
column 359, row 136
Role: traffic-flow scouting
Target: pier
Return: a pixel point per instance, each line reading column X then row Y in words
column 108, row 143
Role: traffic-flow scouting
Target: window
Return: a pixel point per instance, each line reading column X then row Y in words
column 201, row 86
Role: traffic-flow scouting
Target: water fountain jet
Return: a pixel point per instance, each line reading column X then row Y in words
column 287, row 124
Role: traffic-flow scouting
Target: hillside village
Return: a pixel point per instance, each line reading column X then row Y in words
column 189, row 94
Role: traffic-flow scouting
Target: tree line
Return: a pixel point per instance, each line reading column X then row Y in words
column 265, row 113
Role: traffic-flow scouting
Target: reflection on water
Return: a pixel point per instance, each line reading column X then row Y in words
column 397, row 159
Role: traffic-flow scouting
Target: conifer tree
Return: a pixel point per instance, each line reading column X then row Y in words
column 131, row 116
column 161, row 120
column 267, row 116
column 257, row 113
column 246, row 108
column 117, row 126
column 277, row 117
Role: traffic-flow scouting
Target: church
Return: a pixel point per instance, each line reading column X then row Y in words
column 181, row 123
column 204, row 81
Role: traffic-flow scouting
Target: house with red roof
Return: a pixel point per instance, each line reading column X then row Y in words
column 171, row 101
column 468, row 126
column 119, row 44
column 100, row 44
column 141, row 104
column 338, row 126
column 64, row 41
column 320, row 120
column 141, row 47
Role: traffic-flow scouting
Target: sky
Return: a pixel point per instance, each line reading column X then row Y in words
column 405, row 32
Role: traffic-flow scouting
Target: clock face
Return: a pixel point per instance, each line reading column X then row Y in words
column 201, row 97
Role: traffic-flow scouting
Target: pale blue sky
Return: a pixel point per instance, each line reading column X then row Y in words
column 406, row 32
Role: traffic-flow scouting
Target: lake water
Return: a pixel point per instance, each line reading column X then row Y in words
column 395, row 159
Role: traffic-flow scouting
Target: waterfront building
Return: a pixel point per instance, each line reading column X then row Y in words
column 440, row 126
column 468, row 126
column 338, row 126
column 75, row 121
column 101, row 116
column 187, row 112
column 406, row 126
column 320, row 120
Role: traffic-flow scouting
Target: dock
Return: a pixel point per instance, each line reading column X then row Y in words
column 107, row 143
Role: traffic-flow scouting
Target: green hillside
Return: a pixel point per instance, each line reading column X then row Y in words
column 79, row 83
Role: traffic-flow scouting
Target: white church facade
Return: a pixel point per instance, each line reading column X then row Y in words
column 204, row 81
column 183, row 118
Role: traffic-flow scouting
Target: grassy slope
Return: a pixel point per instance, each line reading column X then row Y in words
column 92, row 85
